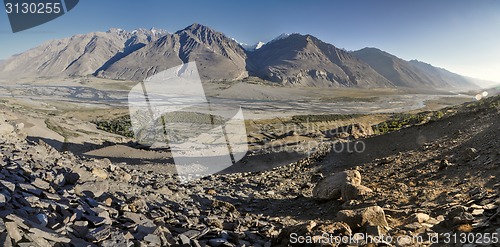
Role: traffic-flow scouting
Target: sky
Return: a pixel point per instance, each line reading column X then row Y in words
column 461, row 36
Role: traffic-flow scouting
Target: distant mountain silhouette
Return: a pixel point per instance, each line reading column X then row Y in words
column 411, row 73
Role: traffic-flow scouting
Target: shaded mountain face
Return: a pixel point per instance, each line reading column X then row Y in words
column 305, row 60
column 410, row 73
column 218, row 57
column 294, row 59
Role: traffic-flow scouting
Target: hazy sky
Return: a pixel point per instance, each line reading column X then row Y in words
column 461, row 36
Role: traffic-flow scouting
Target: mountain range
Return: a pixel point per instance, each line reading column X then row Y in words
column 295, row 59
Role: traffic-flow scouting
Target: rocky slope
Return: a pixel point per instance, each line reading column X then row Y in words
column 436, row 177
column 79, row 55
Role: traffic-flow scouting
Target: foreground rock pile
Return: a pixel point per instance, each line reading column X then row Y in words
column 49, row 198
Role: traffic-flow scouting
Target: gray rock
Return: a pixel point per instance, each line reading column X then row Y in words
column 100, row 173
column 52, row 236
column 92, row 189
column 10, row 186
column 215, row 242
column 60, row 180
column 81, row 228
column 13, row 231
column 4, row 199
column 224, row 235
column 184, row 239
column 192, row 234
column 117, row 238
column 99, row 234
column 357, row 218
column 153, row 239
column 42, row 218
column 354, row 192
column 95, row 220
column 421, row 217
column 477, row 212
column 375, row 231
column 330, row 188
column 30, row 189
column 141, row 231
column 214, row 221
column 39, row 183
column 5, row 240
column 71, row 178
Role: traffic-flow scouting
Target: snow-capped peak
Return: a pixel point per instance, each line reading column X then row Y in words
column 259, row 45
column 280, row 37
column 155, row 31
column 252, row 47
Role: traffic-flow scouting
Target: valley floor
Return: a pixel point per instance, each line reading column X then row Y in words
column 435, row 177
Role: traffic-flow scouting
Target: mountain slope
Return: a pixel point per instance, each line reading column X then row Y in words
column 440, row 74
column 410, row 73
column 79, row 55
column 218, row 57
column 305, row 60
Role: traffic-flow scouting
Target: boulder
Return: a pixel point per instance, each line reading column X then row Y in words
column 92, row 189
column 363, row 217
column 330, row 188
column 100, row 173
column 351, row 191
column 421, row 217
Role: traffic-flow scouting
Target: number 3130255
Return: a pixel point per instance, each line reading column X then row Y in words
column 33, row 8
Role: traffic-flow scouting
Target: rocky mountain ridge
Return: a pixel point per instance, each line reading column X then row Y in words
column 295, row 59
column 307, row 61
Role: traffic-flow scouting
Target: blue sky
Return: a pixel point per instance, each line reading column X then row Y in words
column 462, row 36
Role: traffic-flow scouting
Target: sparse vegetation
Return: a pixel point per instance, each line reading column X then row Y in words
column 323, row 118
column 402, row 120
column 121, row 126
